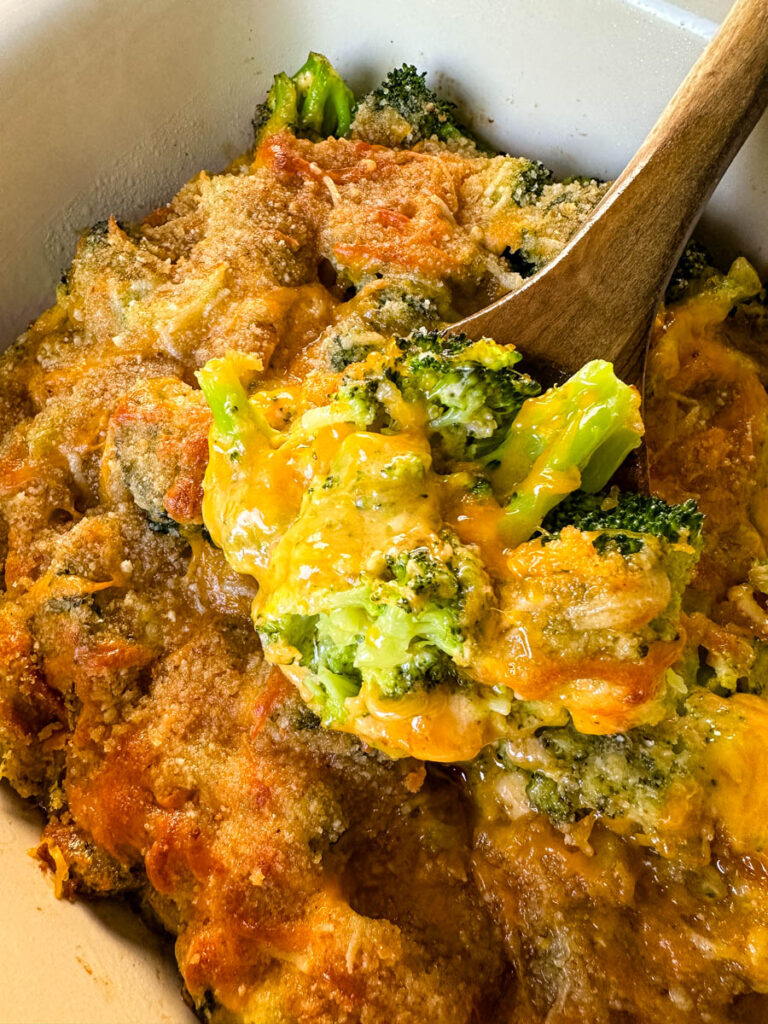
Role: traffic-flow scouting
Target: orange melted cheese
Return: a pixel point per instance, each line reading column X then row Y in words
column 566, row 616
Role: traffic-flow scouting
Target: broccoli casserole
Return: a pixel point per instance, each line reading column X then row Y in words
column 330, row 639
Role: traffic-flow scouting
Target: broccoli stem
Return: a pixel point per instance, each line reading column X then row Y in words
column 281, row 104
column 327, row 101
column 316, row 100
column 233, row 415
column 576, row 435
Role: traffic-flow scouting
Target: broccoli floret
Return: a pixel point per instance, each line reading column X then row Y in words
column 376, row 314
column 535, row 448
column 315, row 102
column 471, row 389
column 234, row 416
column 405, row 92
column 357, row 402
column 346, row 348
column 575, row 435
column 381, row 309
column 420, row 572
column 531, row 182
column 243, row 444
column 627, row 513
column 515, row 181
column 671, row 786
column 545, row 796
column 422, row 308
column 334, row 678
column 408, row 306
column 423, row 618
column 151, row 433
column 691, row 267
column 402, row 631
column 623, row 776
column 526, row 215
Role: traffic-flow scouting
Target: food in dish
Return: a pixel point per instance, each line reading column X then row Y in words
column 238, row 620
column 391, row 532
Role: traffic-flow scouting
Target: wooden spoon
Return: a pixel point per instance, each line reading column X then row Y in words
column 598, row 297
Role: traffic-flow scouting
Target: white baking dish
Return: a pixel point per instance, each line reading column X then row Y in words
column 109, row 106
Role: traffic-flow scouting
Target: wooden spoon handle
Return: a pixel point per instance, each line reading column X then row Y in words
column 708, row 119
column 598, row 297
column 662, row 192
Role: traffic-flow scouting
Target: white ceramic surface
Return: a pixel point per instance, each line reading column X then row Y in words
column 108, row 106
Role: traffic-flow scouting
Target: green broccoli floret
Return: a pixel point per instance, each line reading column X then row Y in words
column 405, row 91
column 348, row 347
column 531, row 182
column 625, row 775
column 534, row 448
column 334, row 678
column 545, row 796
column 691, row 267
column 357, row 402
column 407, row 306
column 421, row 307
column 515, row 181
column 671, row 785
column 623, row 513
column 315, row 102
column 227, row 399
column 394, row 307
column 471, row 389
column 575, row 435
column 402, row 631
